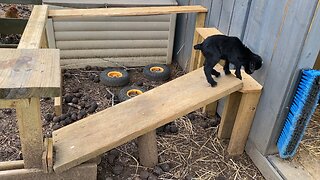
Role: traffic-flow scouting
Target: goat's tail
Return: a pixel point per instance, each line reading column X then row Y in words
column 198, row 46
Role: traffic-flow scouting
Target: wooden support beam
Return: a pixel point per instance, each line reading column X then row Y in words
column 33, row 33
column 86, row 171
column 30, row 131
column 229, row 114
column 243, row 122
column 50, row 155
column 148, row 151
column 9, row 165
column 44, row 156
column 135, row 11
column 193, row 62
column 7, row 103
column 58, row 106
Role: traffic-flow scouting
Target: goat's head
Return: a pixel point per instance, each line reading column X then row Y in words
column 254, row 63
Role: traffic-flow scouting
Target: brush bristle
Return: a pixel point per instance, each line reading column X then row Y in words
column 302, row 107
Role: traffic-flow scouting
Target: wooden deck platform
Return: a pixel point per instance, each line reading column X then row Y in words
column 128, row 120
column 26, row 73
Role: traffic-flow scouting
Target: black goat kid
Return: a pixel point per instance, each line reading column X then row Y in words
column 231, row 50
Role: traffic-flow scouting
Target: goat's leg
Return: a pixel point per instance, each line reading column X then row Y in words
column 215, row 73
column 238, row 72
column 226, row 68
column 208, row 69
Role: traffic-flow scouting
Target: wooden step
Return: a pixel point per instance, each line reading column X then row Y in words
column 105, row 130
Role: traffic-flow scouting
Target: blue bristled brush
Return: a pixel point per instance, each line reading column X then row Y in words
column 302, row 107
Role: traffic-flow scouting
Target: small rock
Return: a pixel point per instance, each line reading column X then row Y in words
column 88, row 68
column 86, row 98
column 56, row 119
column 160, row 129
column 94, row 105
column 174, row 129
column 214, row 123
column 76, row 90
column 115, row 152
column 7, row 111
column 165, row 167
column 67, row 75
column 73, row 117
column 152, row 177
column 117, row 169
column 63, row 123
column 91, row 110
column 91, row 77
column 82, row 105
column 96, row 79
column 108, row 96
column 75, row 100
column 139, row 83
column 68, row 98
column 188, row 177
column 68, row 120
column 48, row 117
column 144, row 174
column 191, row 116
column 55, row 127
column 111, row 159
column 204, row 125
column 63, row 117
column 78, row 95
column 157, row 170
column 167, row 128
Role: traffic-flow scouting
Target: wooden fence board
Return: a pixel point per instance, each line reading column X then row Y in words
column 226, row 16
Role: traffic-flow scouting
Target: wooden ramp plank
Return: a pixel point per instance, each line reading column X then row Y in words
column 26, row 73
column 135, row 11
column 114, row 126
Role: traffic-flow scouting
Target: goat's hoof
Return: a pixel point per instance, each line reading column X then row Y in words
column 239, row 77
column 227, row 72
column 213, row 84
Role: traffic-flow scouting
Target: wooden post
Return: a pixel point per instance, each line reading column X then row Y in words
column 200, row 20
column 229, row 114
column 148, row 151
column 30, row 130
column 243, row 122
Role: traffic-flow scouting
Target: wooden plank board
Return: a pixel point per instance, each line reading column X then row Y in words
column 32, row 35
column 44, row 156
column 7, row 103
column 98, row 53
column 109, row 128
column 111, row 26
column 113, row 62
column 50, row 155
column 87, row 171
column 136, row 11
column 111, row 35
column 26, row 73
column 153, row 18
column 9, row 165
column 30, row 131
column 50, row 34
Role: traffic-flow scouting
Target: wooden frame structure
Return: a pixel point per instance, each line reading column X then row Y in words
column 39, row 162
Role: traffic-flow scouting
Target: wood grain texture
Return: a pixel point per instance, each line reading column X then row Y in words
column 109, row 128
column 136, row 11
column 113, row 62
column 32, row 35
column 28, row 73
column 30, row 131
column 7, row 103
column 9, row 165
column 229, row 114
column 243, row 122
column 87, row 171
column 44, row 156
column 148, row 151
